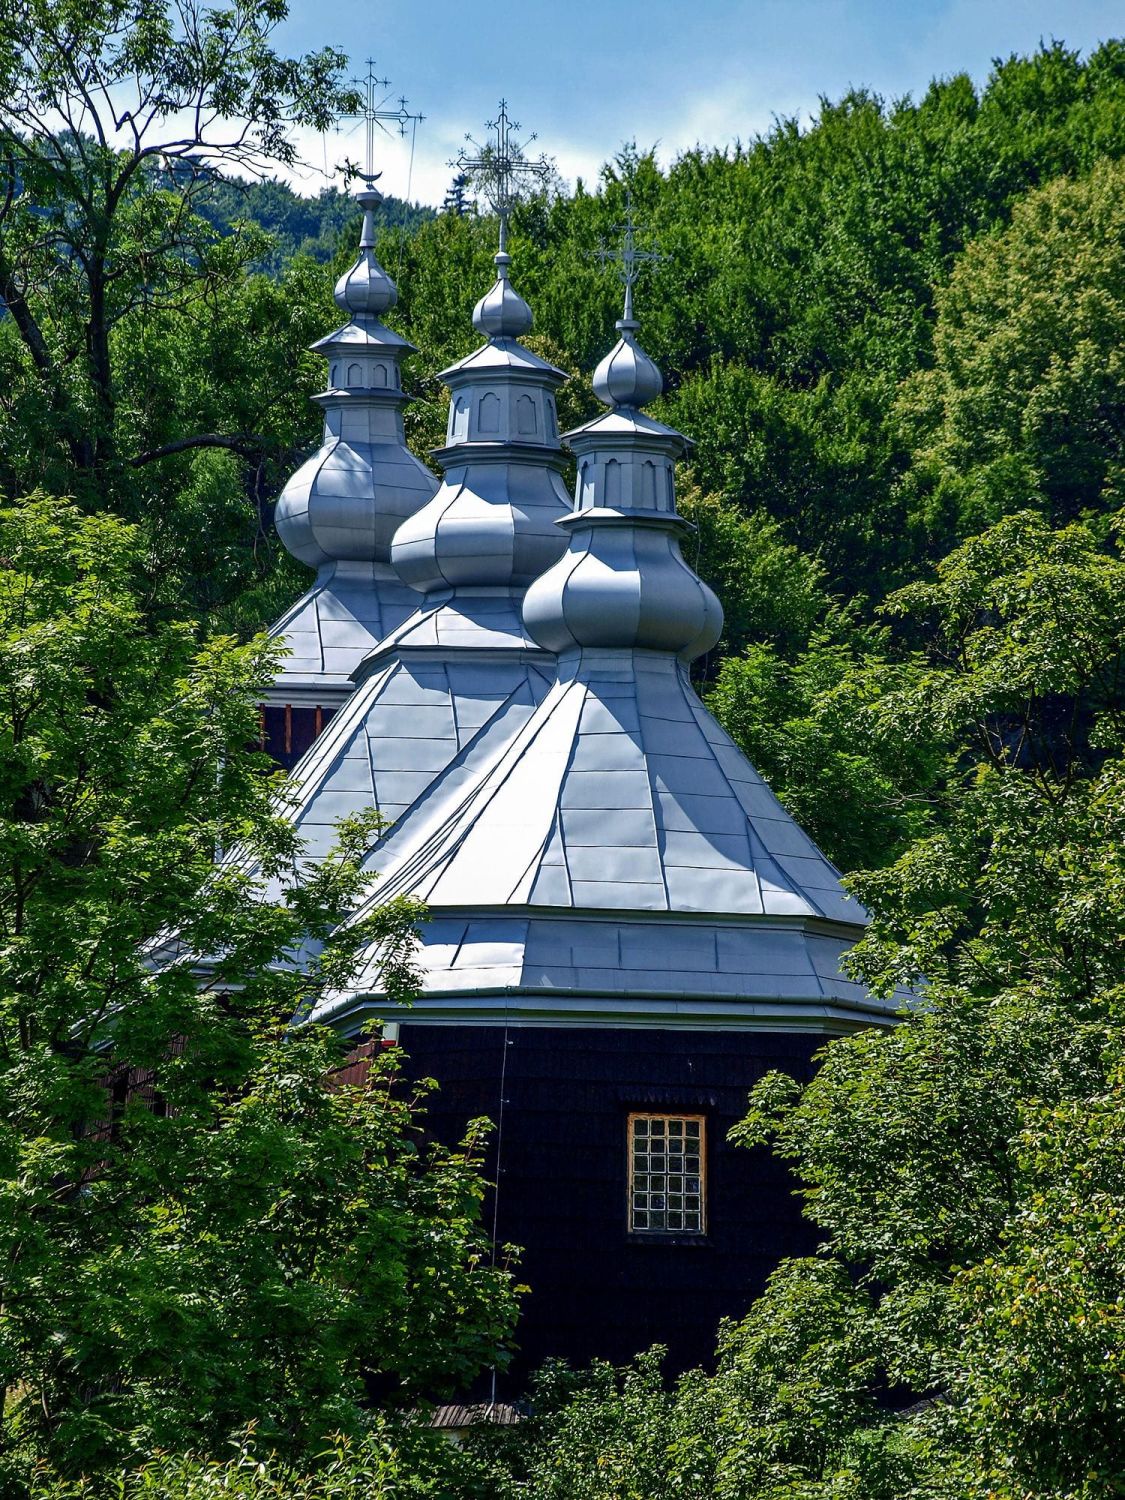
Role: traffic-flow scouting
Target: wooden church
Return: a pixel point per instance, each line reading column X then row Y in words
column 626, row 929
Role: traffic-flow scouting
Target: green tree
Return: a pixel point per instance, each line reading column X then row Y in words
column 295, row 224
column 959, row 1334
column 800, row 286
column 1025, row 404
column 966, row 1164
column 204, row 1222
column 105, row 191
column 114, row 119
column 240, row 360
column 825, row 731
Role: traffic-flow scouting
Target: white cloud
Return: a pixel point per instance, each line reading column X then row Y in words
column 707, row 74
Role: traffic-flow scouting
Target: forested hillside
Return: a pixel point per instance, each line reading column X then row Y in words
column 297, row 225
column 896, row 338
column 817, row 318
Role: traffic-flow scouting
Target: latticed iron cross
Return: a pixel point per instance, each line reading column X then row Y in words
column 498, row 167
column 375, row 114
column 629, row 258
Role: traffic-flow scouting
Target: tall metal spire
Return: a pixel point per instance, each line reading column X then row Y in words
column 498, row 167
column 340, row 510
column 629, row 258
column 375, row 115
column 627, row 377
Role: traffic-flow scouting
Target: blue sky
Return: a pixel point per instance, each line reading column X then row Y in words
column 589, row 75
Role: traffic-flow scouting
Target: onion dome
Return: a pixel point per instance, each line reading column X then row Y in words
column 458, row 677
column 618, row 862
column 623, row 581
column 502, row 313
column 342, row 507
column 492, row 524
column 626, row 376
column 365, row 287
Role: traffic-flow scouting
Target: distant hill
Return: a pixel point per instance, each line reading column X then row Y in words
column 301, row 225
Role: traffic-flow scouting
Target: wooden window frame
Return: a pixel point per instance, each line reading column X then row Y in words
column 645, row 1232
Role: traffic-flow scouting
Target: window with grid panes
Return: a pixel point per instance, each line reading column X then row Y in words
column 667, row 1187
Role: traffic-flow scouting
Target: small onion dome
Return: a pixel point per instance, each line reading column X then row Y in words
column 502, row 313
column 626, row 376
column 623, row 584
column 366, row 287
column 493, row 522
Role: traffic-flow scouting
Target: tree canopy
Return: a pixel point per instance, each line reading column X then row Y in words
column 895, row 336
column 959, row 1333
column 205, row 1222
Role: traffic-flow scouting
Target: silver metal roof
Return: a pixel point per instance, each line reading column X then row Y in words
column 621, row 793
column 617, row 860
column 592, row 846
column 458, row 674
column 342, row 507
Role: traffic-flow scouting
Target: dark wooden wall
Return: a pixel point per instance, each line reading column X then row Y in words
column 563, row 1172
column 287, row 730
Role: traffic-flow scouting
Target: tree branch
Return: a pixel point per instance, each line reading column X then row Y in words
column 237, row 442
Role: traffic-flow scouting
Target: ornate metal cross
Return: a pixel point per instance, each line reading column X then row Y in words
column 374, row 113
column 628, row 257
column 497, row 167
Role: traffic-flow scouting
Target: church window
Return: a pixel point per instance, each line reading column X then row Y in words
column 286, row 731
column 526, row 424
column 488, row 413
column 667, row 1174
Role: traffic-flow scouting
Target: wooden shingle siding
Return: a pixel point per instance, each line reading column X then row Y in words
column 597, row 1290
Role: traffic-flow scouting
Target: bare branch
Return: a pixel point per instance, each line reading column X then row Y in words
column 236, row 442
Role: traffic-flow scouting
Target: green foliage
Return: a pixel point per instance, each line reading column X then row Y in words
column 1025, row 402
column 818, row 459
column 317, row 227
column 959, row 1334
column 772, row 592
column 202, row 1223
column 102, row 247
column 595, row 1434
column 388, row 1459
column 791, row 1398
column 884, row 332
column 230, row 361
column 967, row 1162
column 810, row 275
column 826, row 733
column 803, row 286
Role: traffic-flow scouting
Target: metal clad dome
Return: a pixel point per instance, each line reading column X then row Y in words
column 492, row 523
column 619, row 861
column 623, row 582
column 341, row 509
